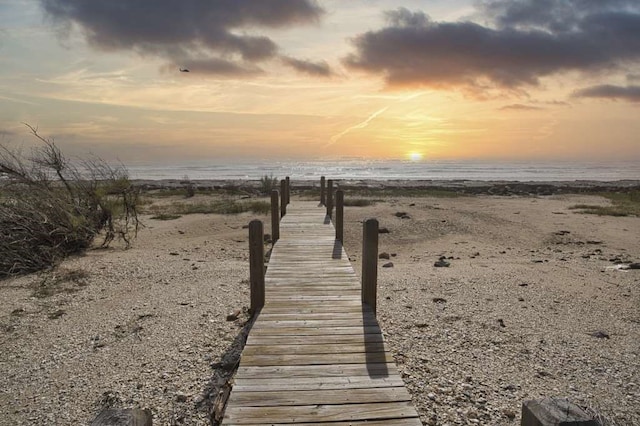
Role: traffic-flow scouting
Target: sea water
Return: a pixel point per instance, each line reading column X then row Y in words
column 387, row 170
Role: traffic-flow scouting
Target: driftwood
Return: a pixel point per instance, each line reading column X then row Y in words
column 554, row 412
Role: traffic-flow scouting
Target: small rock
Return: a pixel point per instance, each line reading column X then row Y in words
column 383, row 230
column 501, row 322
column 384, row 255
column 388, row 265
column 401, row 214
column 56, row 314
column 234, row 315
column 599, row 334
column 180, row 397
column 173, row 253
column 510, row 414
column 439, row 300
column 523, row 284
column 441, row 263
column 245, row 226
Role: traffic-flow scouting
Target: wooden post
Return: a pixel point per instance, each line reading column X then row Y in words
column 329, row 197
column 370, row 262
column 288, row 190
column 554, row 412
column 340, row 215
column 322, row 192
column 283, row 200
column 256, row 265
column 275, row 217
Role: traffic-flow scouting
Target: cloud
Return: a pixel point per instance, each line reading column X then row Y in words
column 520, row 107
column 209, row 34
column 609, row 91
column 318, row 69
column 527, row 41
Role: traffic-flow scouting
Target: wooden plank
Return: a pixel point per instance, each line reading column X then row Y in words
column 315, row 340
column 316, row 359
column 319, row 413
column 309, row 397
column 345, row 370
column 313, row 331
column 409, row 421
column 315, row 383
column 299, row 349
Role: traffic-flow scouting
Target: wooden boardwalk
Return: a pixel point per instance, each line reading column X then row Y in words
column 315, row 354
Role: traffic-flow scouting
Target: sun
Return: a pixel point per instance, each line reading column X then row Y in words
column 414, row 156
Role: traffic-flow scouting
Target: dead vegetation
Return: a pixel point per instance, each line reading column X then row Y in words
column 51, row 207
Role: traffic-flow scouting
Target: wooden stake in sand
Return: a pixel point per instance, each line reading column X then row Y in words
column 340, row 215
column 370, row 262
column 283, row 201
column 275, row 217
column 256, row 265
column 330, row 197
column 322, row 191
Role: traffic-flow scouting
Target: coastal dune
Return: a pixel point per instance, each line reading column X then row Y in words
column 531, row 299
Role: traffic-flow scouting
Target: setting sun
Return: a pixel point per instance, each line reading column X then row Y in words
column 415, row 156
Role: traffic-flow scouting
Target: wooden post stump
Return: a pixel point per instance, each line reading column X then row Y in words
column 256, row 265
column 288, row 190
column 370, row 262
column 275, row 217
column 554, row 412
column 322, row 191
column 340, row 216
column 283, row 201
column 330, row 197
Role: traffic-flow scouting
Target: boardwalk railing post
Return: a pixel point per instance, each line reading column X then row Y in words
column 340, row 215
column 283, row 198
column 256, row 265
column 288, row 190
column 322, row 192
column 275, row 216
column 330, row 197
column 370, row 262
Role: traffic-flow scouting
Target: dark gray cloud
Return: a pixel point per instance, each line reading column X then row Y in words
column 610, row 91
column 525, row 41
column 318, row 69
column 207, row 33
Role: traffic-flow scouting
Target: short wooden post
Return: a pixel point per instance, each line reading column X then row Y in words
column 330, row 197
column 288, row 190
column 340, row 215
column 256, row 265
column 275, row 217
column 322, row 191
column 554, row 412
column 283, row 200
column 370, row 262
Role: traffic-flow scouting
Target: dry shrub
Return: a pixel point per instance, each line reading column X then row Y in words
column 51, row 208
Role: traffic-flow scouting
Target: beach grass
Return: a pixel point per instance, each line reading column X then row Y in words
column 622, row 204
column 220, row 206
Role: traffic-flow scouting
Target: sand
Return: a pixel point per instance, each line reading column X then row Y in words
column 515, row 316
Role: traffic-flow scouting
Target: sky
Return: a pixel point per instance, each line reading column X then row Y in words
column 304, row 79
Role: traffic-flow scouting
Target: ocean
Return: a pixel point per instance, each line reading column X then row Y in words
column 353, row 169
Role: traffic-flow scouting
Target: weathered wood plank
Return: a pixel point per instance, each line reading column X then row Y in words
column 319, row 413
column 309, row 397
column 315, row 383
column 333, row 370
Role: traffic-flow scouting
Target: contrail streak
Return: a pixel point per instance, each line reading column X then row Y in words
column 362, row 125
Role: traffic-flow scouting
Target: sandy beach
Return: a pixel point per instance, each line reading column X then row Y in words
column 536, row 301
